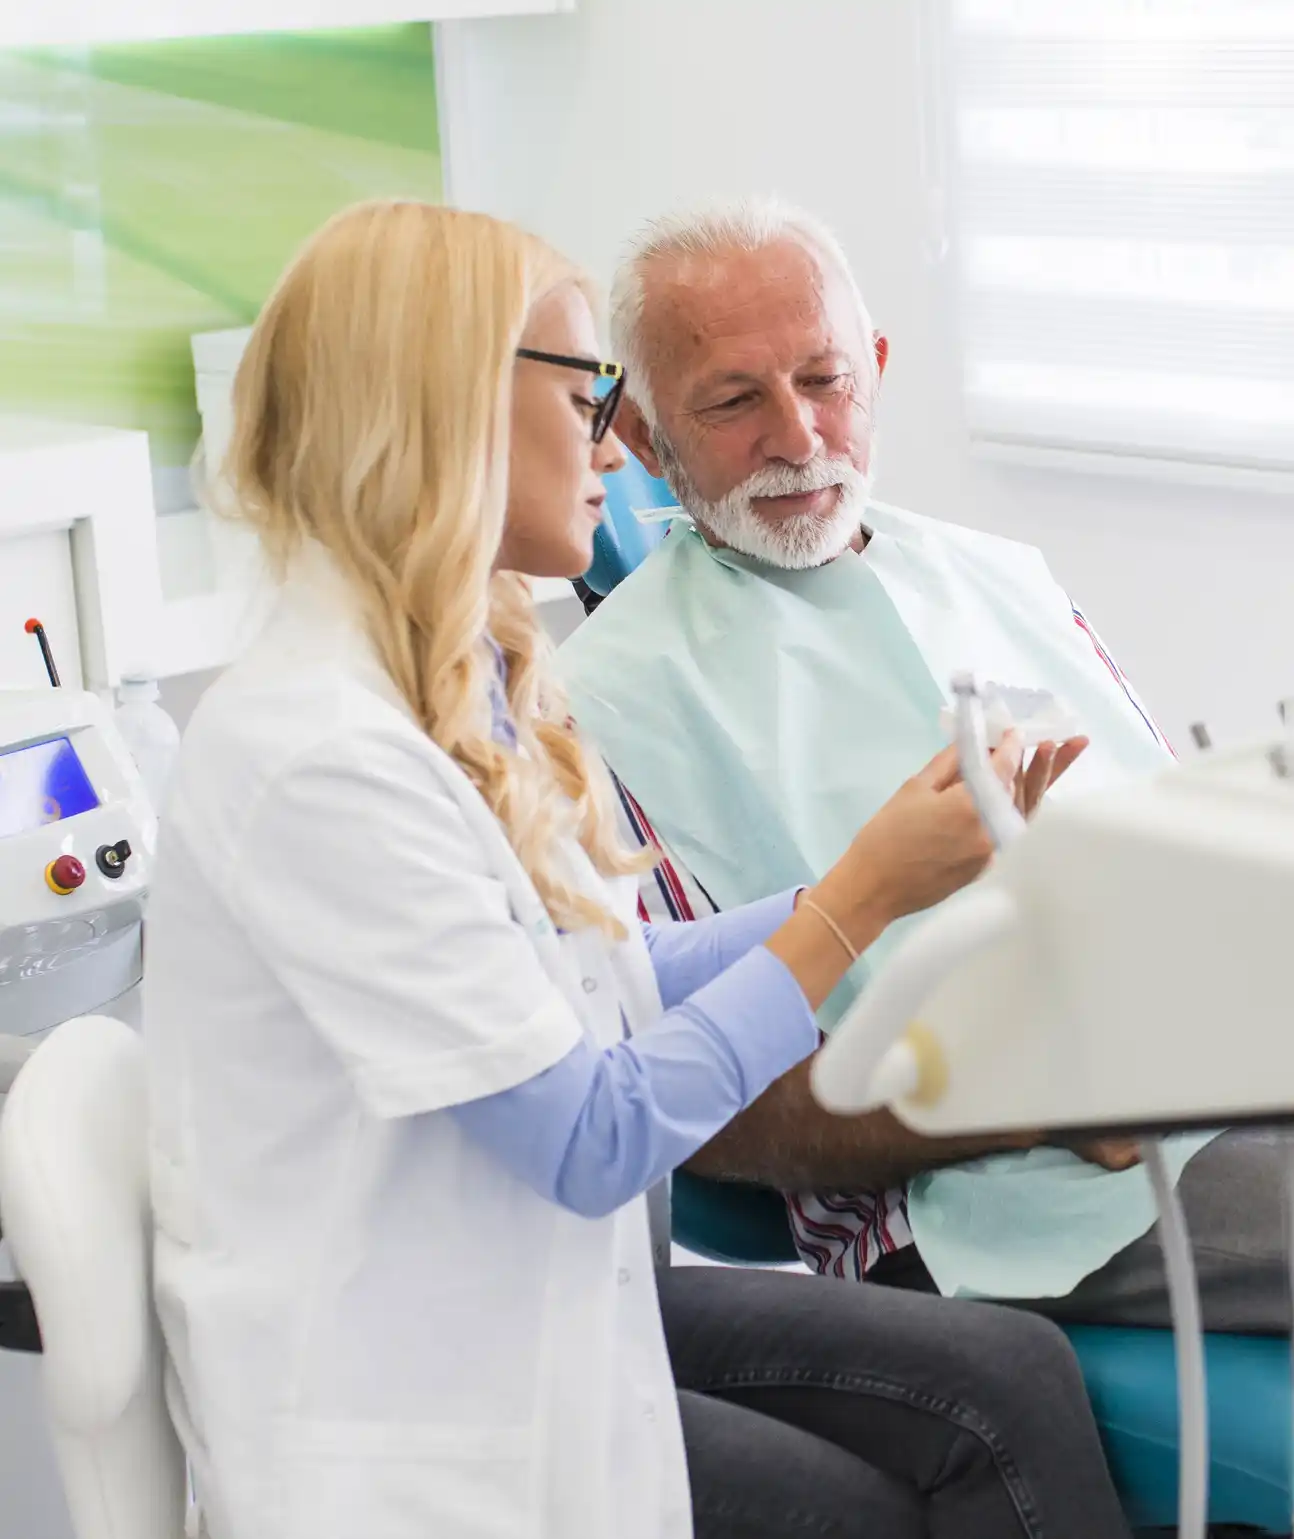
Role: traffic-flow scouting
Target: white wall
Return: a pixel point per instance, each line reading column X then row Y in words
column 581, row 126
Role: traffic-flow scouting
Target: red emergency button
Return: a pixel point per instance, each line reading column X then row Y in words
column 64, row 875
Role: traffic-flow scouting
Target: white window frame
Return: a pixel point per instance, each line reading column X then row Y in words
column 940, row 170
column 94, row 484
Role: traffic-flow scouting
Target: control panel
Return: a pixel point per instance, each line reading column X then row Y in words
column 77, row 835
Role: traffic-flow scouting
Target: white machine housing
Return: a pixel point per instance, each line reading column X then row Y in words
column 1128, row 964
column 62, row 955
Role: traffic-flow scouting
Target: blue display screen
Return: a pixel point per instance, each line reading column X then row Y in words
column 42, row 783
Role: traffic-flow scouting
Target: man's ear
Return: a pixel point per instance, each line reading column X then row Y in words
column 882, row 346
column 632, row 431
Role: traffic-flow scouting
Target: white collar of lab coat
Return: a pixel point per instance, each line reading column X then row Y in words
column 314, row 595
column 315, row 617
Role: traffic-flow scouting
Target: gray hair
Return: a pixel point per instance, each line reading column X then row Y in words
column 746, row 225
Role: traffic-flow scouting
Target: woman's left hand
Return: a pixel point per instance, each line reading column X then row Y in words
column 1049, row 763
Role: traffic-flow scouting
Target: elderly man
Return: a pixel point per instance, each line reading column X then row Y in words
column 772, row 674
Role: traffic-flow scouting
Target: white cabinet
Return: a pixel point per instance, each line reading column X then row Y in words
column 82, row 549
column 212, row 577
column 78, row 550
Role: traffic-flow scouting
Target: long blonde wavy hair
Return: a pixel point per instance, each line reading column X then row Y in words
column 371, row 415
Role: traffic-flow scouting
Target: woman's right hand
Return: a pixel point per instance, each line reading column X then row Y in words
column 926, row 843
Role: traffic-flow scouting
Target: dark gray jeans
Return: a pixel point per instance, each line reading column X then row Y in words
column 817, row 1407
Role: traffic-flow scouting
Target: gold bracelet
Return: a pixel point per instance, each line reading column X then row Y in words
column 807, row 902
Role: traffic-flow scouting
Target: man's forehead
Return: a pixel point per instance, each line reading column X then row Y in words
column 704, row 308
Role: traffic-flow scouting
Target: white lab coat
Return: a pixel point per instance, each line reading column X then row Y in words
column 376, row 1332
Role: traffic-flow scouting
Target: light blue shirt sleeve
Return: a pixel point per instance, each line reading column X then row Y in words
column 685, row 957
column 601, row 1127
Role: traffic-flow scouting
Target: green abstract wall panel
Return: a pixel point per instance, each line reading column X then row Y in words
column 152, row 190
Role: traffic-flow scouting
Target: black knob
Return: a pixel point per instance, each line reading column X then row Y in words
column 111, row 858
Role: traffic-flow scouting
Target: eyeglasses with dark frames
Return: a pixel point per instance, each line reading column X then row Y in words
column 609, row 404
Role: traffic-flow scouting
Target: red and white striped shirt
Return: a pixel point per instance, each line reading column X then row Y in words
column 840, row 1234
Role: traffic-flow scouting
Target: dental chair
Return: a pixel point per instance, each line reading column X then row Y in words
column 623, row 540
column 75, row 1205
column 1130, row 1374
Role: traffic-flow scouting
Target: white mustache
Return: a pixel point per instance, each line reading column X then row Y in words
column 794, row 480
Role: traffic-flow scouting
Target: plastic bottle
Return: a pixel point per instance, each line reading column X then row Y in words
column 151, row 736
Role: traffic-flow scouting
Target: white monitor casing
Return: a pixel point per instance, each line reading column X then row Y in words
column 63, row 955
column 1139, row 975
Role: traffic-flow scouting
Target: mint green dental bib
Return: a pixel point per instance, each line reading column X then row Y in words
column 761, row 716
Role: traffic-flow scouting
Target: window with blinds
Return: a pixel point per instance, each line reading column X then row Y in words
column 1124, row 194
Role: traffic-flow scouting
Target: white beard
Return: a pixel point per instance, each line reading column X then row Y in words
column 795, row 543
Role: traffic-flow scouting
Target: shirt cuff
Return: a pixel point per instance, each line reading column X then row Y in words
column 761, row 1012
column 744, row 928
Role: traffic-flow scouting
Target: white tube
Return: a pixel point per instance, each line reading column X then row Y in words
column 1188, row 1340
column 1002, row 818
column 854, row 1072
column 843, row 1075
column 993, row 801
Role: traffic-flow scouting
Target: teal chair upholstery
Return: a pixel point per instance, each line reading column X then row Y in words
column 1132, row 1380
column 743, row 1225
column 1130, row 1374
column 623, row 541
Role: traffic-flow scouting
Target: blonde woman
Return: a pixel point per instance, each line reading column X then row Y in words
column 415, row 1062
